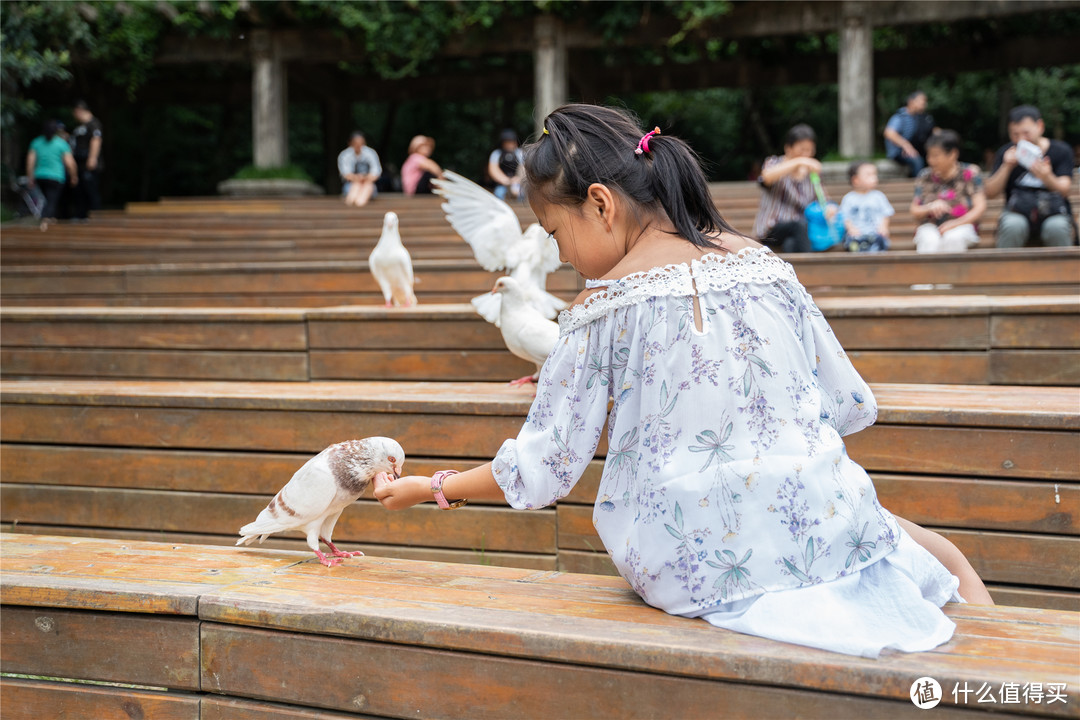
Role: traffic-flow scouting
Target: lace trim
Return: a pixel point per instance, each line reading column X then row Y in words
column 711, row 273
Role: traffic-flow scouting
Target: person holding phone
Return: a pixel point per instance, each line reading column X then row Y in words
column 1035, row 174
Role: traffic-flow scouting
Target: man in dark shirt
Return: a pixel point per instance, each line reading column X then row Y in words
column 86, row 147
column 907, row 131
column 1036, row 188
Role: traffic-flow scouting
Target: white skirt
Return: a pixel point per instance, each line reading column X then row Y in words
column 894, row 603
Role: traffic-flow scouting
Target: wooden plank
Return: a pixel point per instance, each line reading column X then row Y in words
column 383, row 679
column 165, row 364
column 1035, row 331
column 225, row 708
column 36, row 699
column 500, row 615
column 255, row 429
column 1020, row 559
column 1037, row 454
column 1034, row 367
column 928, row 366
column 466, row 365
column 157, row 578
column 587, row 562
column 982, row 504
column 969, row 405
column 1011, row 595
column 908, row 449
column 931, row 333
column 1017, row 558
column 416, row 335
column 480, row 556
column 198, row 471
column 474, row 528
column 115, row 647
column 165, row 332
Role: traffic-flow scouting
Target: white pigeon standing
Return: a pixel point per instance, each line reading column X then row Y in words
column 492, row 229
column 526, row 332
column 315, row 497
column 391, row 265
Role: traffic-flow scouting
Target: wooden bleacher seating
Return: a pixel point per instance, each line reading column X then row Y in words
column 993, row 468
column 256, row 229
column 254, row 633
column 1036, row 271
column 123, row 425
column 967, row 339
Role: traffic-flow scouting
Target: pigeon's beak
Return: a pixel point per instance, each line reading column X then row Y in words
column 397, row 472
column 494, row 290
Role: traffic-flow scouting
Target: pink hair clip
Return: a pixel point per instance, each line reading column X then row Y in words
column 643, row 143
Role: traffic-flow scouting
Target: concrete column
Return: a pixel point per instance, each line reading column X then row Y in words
column 856, row 80
column 269, row 102
column 549, row 61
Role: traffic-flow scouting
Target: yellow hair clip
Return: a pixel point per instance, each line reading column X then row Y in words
column 546, row 132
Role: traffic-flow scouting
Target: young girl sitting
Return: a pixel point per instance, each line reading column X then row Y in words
column 727, row 493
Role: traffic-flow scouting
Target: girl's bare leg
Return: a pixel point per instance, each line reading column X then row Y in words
column 971, row 586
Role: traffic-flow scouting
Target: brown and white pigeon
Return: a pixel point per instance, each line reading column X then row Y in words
column 391, row 265
column 315, row 497
column 525, row 330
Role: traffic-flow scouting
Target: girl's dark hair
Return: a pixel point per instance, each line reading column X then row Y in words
column 586, row 144
column 798, row 133
column 49, row 129
column 947, row 140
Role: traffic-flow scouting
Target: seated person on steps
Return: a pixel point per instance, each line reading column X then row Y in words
column 1035, row 174
column 949, row 198
column 866, row 210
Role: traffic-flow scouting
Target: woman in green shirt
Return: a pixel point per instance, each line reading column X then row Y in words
column 46, row 163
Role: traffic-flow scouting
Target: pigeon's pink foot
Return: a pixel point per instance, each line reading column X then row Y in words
column 341, row 553
column 327, row 561
column 523, row 381
column 388, row 304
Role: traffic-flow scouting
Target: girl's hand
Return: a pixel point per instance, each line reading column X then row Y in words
column 403, row 492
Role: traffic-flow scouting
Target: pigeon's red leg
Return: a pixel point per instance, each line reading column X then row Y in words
column 523, row 380
column 341, row 553
column 327, row 561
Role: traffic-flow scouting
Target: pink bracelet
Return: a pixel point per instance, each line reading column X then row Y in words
column 436, row 489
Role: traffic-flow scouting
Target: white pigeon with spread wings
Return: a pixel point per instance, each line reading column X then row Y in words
column 526, row 332
column 492, row 229
column 391, row 265
column 315, row 497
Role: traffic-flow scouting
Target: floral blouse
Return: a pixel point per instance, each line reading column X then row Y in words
column 958, row 191
column 726, row 475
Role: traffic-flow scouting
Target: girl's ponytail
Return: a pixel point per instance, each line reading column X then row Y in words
column 583, row 144
column 679, row 184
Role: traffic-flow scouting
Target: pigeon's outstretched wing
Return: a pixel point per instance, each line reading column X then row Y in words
column 545, row 250
column 488, row 224
column 307, row 497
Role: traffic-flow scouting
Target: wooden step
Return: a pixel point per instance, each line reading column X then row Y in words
column 1037, row 271
column 145, row 458
column 493, row 640
column 925, row 339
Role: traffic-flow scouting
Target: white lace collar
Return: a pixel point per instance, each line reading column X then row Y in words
column 711, row 272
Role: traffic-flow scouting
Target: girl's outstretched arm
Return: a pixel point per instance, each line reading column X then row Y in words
column 475, row 484
column 971, row 586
